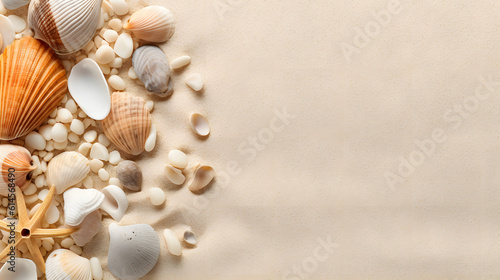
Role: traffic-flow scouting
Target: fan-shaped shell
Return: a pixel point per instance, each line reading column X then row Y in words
column 14, row 4
column 133, row 250
column 153, row 24
column 78, row 203
column 151, row 66
column 64, row 264
column 66, row 170
column 128, row 123
column 32, row 84
column 15, row 160
column 65, row 25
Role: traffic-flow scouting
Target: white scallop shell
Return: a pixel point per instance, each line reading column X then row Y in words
column 64, row 264
column 78, row 203
column 133, row 250
column 6, row 31
column 199, row 124
column 203, row 175
column 90, row 226
column 14, row 4
column 66, row 170
column 25, row 269
column 151, row 66
column 152, row 24
column 65, row 25
column 115, row 202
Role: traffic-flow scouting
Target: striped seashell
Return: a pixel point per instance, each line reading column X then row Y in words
column 66, row 170
column 128, row 123
column 64, row 264
column 15, row 160
column 32, row 84
column 65, row 25
column 151, row 66
column 152, row 24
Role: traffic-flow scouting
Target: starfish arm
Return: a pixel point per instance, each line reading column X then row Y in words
column 3, row 226
column 21, row 207
column 40, row 213
column 36, row 255
column 6, row 250
column 52, row 232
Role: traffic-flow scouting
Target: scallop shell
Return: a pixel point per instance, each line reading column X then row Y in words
column 133, row 250
column 115, row 202
column 19, row 159
column 203, row 175
column 78, row 203
column 14, row 4
column 199, row 124
column 151, row 66
column 25, row 269
column 66, row 170
column 32, row 84
column 64, row 264
column 128, row 123
column 65, row 25
column 153, row 24
column 87, row 229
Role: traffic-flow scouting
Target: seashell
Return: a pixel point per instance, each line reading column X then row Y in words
column 199, row 124
column 203, row 175
column 33, row 84
column 14, row 4
column 130, row 175
column 173, row 244
column 151, row 66
column 115, row 202
column 64, row 264
column 89, row 89
column 78, row 203
column 7, row 32
column 65, row 25
column 19, row 159
column 128, row 124
column 67, row 169
column 175, row 175
column 153, row 24
column 133, row 250
column 90, row 226
column 25, row 269
column 189, row 237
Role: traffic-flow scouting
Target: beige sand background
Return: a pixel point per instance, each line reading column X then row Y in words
column 322, row 175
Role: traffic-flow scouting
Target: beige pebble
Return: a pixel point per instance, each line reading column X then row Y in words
column 35, row 140
column 157, row 196
column 103, row 140
column 131, row 74
column 180, row 62
column 149, row 105
column 90, row 136
column 84, row 148
column 98, row 151
column 88, row 182
column 105, row 54
column 110, row 36
column 116, row 24
column 173, row 244
column 95, row 165
column 64, row 116
column 73, row 138
column 96, row 268
column 59, row 132
column 31, row 189
column 115, row 181
column 120, row 7
column 103, row 175
column 178, row 159
column 71, row 106
column 18, row 23
column 47, row 246
column 195, row 82
column 46, row 132
column 77, row 127
column 114, row 157
column 116, row 82
column 67, row 242
column 116, row 63
column 61, row 145
column 76, row 249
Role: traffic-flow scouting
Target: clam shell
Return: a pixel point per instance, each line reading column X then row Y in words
column 90, row 226
column 133, row 250
column 78, row 203
column 66, row 170
column 151, row 66
column 25, row 269
column 64, row 264
column 6, row 31
column 115, row 202
column 153, row 24
column 19, row 159
column 33, row 83
column 128, row 123
column 14, row 4
column 65, row 25
column 203, row 175
column 199, row 124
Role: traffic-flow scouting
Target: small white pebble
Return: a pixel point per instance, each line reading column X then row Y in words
column 194, row 81
column 88, row 182
column 96, row 268
column 114, row 157
column 103, row 140
column 116, row 63
column 105, row 69
column 95, row 165
column 114, row 181
column 81, row 114
column 43, row 194
column 107, row 7
column 178, row 159
column 131, row 74
column 157, row 196
column 149, row 105
column 151, row 140
column 46, row 132
column 18, row 23
column 61, row 145
column 31, row 189
column 35, row 140
column 64, row 116
column 48, row 157
column 124, row 45
column 52, row 215
column 76, row 249
column 67, row 242
column 116, row 82
column 90, row 136
column 98, row 151
column 71, row 106
column 173, row 244
column 84, row 148
column 180, row 62
column 88, row 48
column 103, row 175
column 120, row 7
column 116, row 24
column 114, row 71
column 50, row 146
column 59, row 132
column 73, row 138
column 77, row 127
column 98, row 41
column 110, row 36
column 105, row 54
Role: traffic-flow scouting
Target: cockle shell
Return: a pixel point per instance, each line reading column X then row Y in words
column 78, row 203
column 128, row 123
column 203, row 175
column 65, row 25
column 133, row 250
column 15, row 160
column 66, row 170
column 87, row 229
column 32, row 84
column 153, row 24
column 64, row 264
column 24, row 269
column 14, row 4
column 115, row 202
column 151, row 66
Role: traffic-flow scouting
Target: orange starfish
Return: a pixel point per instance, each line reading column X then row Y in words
column 28, row 229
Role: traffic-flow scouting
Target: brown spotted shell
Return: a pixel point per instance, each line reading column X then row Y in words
column 32, row 84
column 15, row 160
column 128, row 123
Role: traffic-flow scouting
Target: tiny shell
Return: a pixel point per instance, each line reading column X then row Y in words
column 6, row 31
column 67, row 169
column 78, row 203
column 130, row 175
column 199, row 124
column 175, row 175
column 14, row 4
column 87, row 229
column 64, row 264
column 151, row 66
column 173, row 244
column 25, row 269
column 115, row 202
column 152, row 24
column 133, row 250
column 89, row 89
column 19, row 158
column 203, row 175
column 189, row 237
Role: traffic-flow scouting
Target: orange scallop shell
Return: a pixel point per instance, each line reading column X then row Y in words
column 15, row 160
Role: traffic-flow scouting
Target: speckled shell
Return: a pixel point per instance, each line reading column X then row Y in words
column 128, row 124
column 151, row 66
column 32, row 84
column 153, row 24
column 19, row 159
column 66, row 25
column 64, row 264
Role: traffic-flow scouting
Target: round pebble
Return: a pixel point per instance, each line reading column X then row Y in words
column 96, row 268
column 116, row 24
column 90, row 136
column 103, row 140
column 131, row 74
column 116, row 82
column 35, row 140
column 180, row 62
column 84, row 148
column 105, row 54
column 116, row 63
column 114, row 181
column 120, row 7
column 103, row 175
column 46, row 131
column 73, row 138
column 67, row 242
column 96, row 165
column 124, row 46
column 110, row 36
column 59, row 132
column 52, row 214
column 71, row 106
column 114, row 157
column 173, row 244
column 77, row 127
column 64, row 116
column 98, row 151
column 178, row 159
column 157, row 196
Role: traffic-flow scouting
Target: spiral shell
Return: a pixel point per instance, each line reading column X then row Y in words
column 32, row 84
column 128, row 124
column 64, row 264
column 152, row 24
column 151, row 66
column 15, row 160
column 65, row 25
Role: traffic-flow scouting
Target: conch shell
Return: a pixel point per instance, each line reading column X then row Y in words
column 15, row 160
column 129, row 123
column 151, row 66
column 65, row 25
column 153, row 24
column 32, row 84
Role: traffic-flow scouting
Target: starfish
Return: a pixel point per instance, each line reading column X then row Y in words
column 27, row 230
